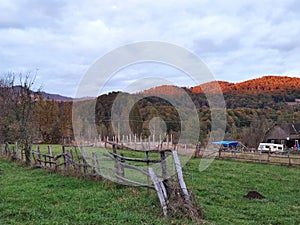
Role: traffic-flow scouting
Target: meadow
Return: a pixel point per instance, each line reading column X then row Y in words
column 35, row 196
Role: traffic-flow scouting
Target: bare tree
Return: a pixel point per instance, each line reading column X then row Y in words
column 253, row 135
column 17, row 105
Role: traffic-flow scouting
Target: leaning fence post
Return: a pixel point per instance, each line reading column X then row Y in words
column 160, row 189
column 164, row 167
column 180, row 176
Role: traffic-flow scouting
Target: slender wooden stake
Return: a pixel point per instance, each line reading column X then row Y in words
column 64, row 156
column 122, row 170
column 78, row 167
column 116, row 159
column 85, row 166
column 72, row 159
column 180, row 176
column 50, row 154
column 148, row 181
column 115, row 149
column 39, row 155
column 45, row 161
column 164, row 167
column 289, row 158
column 260, row 156
column 17, row 150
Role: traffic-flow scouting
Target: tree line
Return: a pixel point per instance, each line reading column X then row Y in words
column 27, row 117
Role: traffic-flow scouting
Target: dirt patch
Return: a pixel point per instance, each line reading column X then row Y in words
column 254, row 195
column 1, row 172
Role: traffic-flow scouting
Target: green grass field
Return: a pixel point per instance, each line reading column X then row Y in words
column 35, row 196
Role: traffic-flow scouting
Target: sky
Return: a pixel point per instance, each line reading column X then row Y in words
column 57, row 41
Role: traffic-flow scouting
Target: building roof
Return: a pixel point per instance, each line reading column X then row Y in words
column 283, row 130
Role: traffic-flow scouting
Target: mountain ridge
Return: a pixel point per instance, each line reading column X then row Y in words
column 262, row 85
column 265, row 84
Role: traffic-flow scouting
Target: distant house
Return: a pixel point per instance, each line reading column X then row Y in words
column 284, row 133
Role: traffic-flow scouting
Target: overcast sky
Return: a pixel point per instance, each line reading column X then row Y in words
column 59, row 40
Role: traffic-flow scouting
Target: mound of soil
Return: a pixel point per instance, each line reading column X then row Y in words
column 254, row 195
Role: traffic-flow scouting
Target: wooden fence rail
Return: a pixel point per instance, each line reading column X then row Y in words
column 288, row 158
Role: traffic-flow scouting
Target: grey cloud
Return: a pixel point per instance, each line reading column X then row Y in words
column 236, row 39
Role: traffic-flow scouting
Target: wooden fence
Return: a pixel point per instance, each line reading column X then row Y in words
column 153, row 172
column 288, row 158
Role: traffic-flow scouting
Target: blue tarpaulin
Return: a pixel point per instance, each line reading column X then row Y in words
column 226, row 143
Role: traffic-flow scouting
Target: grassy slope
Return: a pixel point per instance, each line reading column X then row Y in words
column 33, row 196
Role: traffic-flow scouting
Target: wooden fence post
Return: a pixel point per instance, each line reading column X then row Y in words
column 65, row 157
column 50, row 154
column 116, row 159
column 85, row 166
column 7, row 151
column 148, row 181
column 289, row 158
column 260, row 155
column 39, row 155
column 78, row 167
column 17, row 150
column 180, row 176
column 161, row 191
column 72, row 159
column 122, row 170
column 164, row 167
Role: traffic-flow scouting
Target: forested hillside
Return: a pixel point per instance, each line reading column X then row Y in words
column 252, row 107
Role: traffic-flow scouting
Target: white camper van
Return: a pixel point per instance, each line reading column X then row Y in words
column 270, row 147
